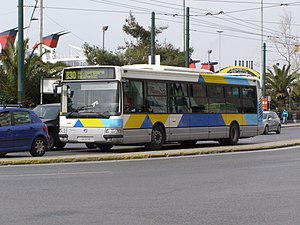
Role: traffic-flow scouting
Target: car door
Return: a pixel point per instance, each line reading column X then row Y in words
column 6, row 132
column 23, row 131
column 272, row 122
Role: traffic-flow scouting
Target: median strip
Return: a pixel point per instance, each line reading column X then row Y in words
column 148, row 154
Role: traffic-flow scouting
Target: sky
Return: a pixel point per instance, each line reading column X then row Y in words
column 230, row 28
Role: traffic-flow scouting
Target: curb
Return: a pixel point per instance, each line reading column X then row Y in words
column 151, row 154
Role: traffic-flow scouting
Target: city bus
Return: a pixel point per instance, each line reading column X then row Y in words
column 152, row 105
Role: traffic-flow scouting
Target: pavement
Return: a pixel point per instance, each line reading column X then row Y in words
column 152, row 154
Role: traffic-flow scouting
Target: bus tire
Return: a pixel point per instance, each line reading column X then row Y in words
column 187, row 144
column 234, row 135
column 158, row 137
column 91, row 145
column 104, row 147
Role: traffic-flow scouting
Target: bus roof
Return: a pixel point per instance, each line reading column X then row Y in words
column 166, row 68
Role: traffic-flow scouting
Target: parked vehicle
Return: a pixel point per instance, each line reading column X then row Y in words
column 49, row 114
column 271, row 122
column 22, row 130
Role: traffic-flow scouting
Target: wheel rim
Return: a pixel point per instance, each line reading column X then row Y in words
column 157, row 137
column 39, row 147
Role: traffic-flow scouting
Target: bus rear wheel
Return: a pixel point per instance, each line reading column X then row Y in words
column 234, row 135
column 187, row 144
column 158, row 137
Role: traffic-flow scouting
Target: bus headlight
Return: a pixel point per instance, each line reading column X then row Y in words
column 113, row 133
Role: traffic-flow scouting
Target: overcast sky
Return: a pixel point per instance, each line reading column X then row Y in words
column 239, row 22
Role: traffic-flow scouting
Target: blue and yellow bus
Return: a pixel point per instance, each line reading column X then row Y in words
column 151, row 105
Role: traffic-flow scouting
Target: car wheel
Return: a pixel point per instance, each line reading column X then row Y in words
column 2, row 154
column 39, row 147
column 278, row 131
column 266, row 131
column 157, row 138
column 91, row 145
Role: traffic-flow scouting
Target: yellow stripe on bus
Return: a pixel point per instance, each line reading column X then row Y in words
column 135, row 121
column 214, row 79
column 92, row 123
column 228, row 118
column 158, row 118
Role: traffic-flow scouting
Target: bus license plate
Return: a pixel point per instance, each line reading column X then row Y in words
column 85, row 139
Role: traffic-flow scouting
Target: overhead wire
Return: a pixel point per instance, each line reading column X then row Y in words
column 143, row 10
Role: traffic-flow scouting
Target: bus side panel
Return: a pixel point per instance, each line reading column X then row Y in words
column 217, row 126
column 199, row 126
column 136, row 128
column 177, row 128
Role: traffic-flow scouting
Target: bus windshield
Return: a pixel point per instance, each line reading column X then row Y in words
column 93, row 98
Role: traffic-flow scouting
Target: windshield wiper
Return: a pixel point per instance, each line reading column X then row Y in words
column 79, row 109
column 105, row 115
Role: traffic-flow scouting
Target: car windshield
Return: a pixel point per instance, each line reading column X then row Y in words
column 265, row 115
column 47, row 111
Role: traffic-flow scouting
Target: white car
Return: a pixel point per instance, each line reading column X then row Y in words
column 271, row 122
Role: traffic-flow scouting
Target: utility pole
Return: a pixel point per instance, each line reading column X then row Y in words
column 220, row 32
column 183, row 29
column 262, row 43
column 264, row 71
column 187, row 38
column 41, row 28
column 153, row 38
column 20, row 53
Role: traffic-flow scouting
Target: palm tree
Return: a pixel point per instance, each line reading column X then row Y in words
column 278, row 82
column 34, row 70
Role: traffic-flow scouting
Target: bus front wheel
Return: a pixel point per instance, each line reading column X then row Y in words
column 234, row 135
column 104, row 147
column 157, row 138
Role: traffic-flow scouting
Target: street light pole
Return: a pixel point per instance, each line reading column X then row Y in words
column 183, row 30
column 20, row 52
column 220, row 32
column 41, row 28
column 104, row 28
column 262, row 74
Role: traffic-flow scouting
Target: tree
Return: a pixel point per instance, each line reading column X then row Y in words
column 34, row 70
column 278, row 82
column 95, row 56
column 286, row 44
column 137, row 50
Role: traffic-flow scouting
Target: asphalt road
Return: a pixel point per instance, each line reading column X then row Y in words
column 260, row 188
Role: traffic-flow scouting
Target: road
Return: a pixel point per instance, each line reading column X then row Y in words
column 260, row 188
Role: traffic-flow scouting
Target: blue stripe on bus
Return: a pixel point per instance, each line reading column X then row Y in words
column 237, row 80
column 251, row 119
column 201, row 120
column 112, row 123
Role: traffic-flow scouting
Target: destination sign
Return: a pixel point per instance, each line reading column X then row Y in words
column 92, row 73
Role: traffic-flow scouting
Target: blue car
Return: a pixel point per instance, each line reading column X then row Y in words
column 22, row 130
